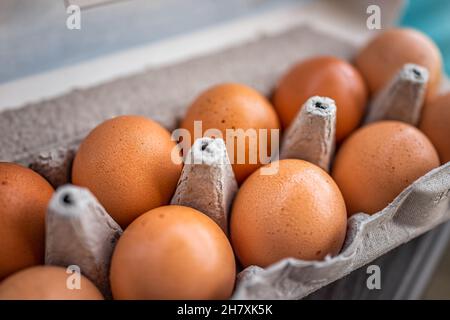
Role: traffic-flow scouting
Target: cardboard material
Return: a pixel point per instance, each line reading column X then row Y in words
column 45, row 135
column 403, row 97
column 419, row 208
column 80, row 232
column 55, row 165
column 161, row 93
column 207, row 181
column 311, row 136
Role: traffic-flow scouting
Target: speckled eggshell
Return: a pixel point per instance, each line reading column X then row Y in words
column 233, row 106
column 24, row 196
column 299, row 212
column 385, row 55
column 126, row 163
column 47, row 283
column 378, row 161
column 328, row 77
column 435, row 123
column 173, row 252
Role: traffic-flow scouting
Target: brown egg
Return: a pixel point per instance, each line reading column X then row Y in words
column 173, row 252
column 378, row 161
column 298, row 212
column 126, row 163
column 435, row 123
column 386, row 54
column 234, row 106
column 24, row 196
column 47, row 283
column 323, row 76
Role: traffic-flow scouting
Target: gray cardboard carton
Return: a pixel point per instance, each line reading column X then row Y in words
column 45, row 135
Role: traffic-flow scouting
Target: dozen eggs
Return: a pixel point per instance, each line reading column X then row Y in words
column 301, row 211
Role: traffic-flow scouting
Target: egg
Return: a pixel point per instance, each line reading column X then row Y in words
column 126, row 162
column 234, row 106
column 297, row 212
column 323, row 76
column 435, row 123
column 47, row 283
column 24, row 196
column 378, row 161
column 173, row 252
column 384, row 56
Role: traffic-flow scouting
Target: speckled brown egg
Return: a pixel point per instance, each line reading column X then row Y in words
column 24, row 196
column 47, row 283
column 173, row 252
column 385, row 55
column 435, row 123
column 126, row 163
column 234, row 106
column 378, row 161
column 298, row 212
column 323, row 76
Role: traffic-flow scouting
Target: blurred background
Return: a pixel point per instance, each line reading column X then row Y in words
column 38, row 27
column 34, row 39
column 433, row 18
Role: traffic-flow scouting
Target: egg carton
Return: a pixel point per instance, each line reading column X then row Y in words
column 45, row 136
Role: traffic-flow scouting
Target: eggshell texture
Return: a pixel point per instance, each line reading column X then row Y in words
column 323, row 76
column 126, row 163
column 233, row 106
column 24, row 196
column 435, row 123
column 298, row 212
column 46, row 283
column 381, row 59
column 378, row 161
column 173, row 252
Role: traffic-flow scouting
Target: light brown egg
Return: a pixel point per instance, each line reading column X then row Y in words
column 386, row 54
column 126, row 163
column 323, row 76
column 299, row 212
column 378, row 161
column 173, row 252
column 234, row 106
column 47, row 283
column 435, row 123
column 24, row 196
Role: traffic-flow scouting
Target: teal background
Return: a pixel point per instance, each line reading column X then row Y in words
column 433, row 18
